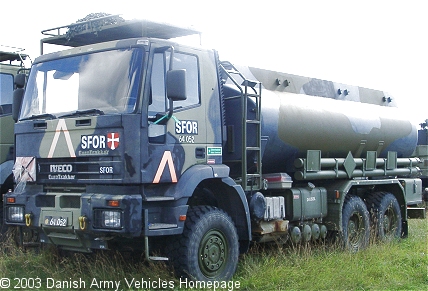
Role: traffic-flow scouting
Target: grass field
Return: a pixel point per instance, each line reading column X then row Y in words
column 397, row 265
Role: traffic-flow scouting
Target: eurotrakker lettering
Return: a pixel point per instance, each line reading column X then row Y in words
column 61, row 177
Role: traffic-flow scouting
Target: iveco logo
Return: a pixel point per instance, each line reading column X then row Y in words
column 66, row 168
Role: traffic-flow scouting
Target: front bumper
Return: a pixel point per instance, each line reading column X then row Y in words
column 79, row 221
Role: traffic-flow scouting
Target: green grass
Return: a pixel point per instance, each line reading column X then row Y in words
column 397, row 265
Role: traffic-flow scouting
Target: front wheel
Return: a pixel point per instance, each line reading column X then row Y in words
column 355, row 224
column 3, row 226
column 208, row 249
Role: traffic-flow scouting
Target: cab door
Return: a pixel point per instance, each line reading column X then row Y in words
column 178, row 140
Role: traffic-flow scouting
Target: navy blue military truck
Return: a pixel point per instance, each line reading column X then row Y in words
column 129, row 139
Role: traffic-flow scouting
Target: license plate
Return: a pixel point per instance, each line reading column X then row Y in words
column 56, row 221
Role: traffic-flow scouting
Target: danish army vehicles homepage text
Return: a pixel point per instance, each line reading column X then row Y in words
column 129, row 140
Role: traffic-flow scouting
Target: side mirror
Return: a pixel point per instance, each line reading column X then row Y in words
column 176, row 85
column 20, row 81
column 18, row 95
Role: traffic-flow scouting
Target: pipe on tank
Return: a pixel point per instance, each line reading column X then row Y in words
column 340, row 174
column 331, row 162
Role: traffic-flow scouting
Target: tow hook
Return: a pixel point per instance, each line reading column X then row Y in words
column 28, row 219
column 82, row 222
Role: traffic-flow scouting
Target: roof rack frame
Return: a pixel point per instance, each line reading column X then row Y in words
column 94, row 32
column 90, row 21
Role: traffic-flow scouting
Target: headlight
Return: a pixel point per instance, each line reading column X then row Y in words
column 111, row 219
column 15, row 214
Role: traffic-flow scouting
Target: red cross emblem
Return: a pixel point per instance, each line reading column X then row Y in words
column 113, row 140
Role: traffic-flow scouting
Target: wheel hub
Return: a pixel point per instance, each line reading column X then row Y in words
column 213, row 252
column 389, row 222
column 354, row 229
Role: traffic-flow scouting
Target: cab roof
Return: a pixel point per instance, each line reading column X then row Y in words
column 11, row 56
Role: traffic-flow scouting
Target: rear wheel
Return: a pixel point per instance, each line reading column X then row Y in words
column 355, row 224
column 386, row 216
column 208, row 249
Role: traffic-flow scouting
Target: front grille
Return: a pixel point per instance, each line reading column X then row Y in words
column 45, row 201
column 67, row 201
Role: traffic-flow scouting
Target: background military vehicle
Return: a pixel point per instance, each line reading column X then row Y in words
column 422, row 153
column 11, row 64
column 132, row 140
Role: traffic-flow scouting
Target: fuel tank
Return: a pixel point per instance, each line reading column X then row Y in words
column 300, row 114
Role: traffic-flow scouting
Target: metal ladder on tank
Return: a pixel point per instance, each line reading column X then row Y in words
column 249, row 181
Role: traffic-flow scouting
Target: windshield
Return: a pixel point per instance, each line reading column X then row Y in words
column 107, row 81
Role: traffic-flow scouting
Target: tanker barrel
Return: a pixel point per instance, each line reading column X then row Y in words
column 300, row 114
column 340, row 174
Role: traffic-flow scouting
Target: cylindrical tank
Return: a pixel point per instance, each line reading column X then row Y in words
column 300, row 114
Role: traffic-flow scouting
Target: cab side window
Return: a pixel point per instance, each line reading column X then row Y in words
column 158, row 102
column 190, row 64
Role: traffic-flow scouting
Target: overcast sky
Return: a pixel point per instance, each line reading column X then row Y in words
column 370, row 43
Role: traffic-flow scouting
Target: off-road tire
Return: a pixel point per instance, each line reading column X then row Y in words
column 385, row 216
column 3, row 226
column 208, row 248
column 355, row 224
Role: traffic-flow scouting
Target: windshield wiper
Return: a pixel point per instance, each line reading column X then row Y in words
column 40, row 116
column 84, row 112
